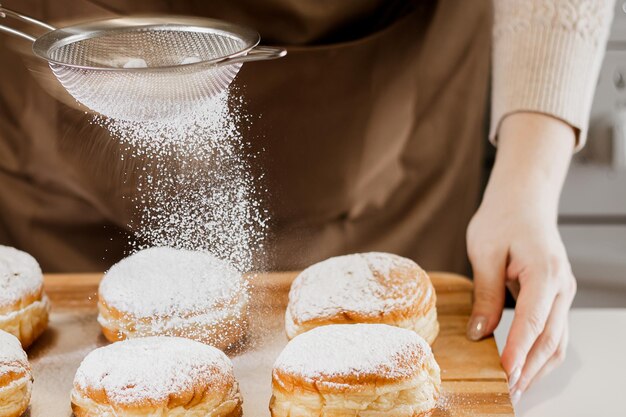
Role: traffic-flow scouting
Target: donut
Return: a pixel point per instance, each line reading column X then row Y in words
column 348, row 370
column 369, row 287
column 174, row 292
column 24, row 307
column 156, row 376
column 16, row 381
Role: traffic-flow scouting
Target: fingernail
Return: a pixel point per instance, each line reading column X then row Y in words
column 476, row 328
column 514, row 377
column 515, row 396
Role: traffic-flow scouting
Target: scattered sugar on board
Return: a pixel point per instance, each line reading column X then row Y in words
column 153, row 368
column 354, row 349
column 443, row 402
column 194, row 188
column 166, row 282
column 20, row 275
column 356, row 283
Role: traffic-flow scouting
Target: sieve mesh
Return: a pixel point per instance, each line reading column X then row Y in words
column 145, row 68
column 145, row 93
column 157, row 47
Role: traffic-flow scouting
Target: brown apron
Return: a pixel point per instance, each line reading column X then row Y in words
column 370, row 136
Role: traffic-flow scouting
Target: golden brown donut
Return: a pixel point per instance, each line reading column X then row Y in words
column 16, row 381
column 173, row 292
column 348, row 370
column 24, row 307
column 156, row 376
column 369, row 287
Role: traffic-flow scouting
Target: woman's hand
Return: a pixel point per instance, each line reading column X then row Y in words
column 513, row 241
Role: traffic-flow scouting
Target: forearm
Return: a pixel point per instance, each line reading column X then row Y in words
column 534, row 151
column 546, row 58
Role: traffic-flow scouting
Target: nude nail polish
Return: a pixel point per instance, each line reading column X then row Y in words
column 476, row 328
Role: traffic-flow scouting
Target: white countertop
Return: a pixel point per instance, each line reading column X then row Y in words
column 591, row 381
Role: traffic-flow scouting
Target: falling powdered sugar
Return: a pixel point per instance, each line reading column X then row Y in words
column 194, row 188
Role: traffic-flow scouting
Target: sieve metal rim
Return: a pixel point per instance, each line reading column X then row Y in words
column 45, row 44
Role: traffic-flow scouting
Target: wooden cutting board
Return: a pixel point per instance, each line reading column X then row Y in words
column 474, row 383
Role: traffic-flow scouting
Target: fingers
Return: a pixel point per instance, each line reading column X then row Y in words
column 534, row 304
column 489, row 271
column 556, row 359
column 548, row 344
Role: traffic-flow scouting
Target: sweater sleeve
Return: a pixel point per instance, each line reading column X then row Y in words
column 546, row 58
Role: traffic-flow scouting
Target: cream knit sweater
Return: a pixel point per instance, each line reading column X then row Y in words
column 546, row 58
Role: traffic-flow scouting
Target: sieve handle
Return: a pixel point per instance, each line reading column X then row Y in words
column 258, row 53
column 4, row 13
